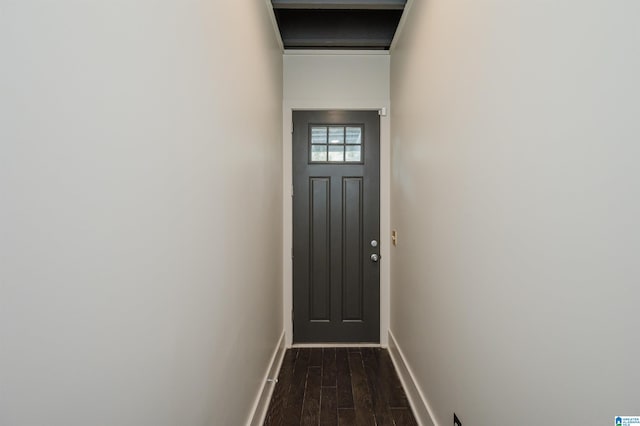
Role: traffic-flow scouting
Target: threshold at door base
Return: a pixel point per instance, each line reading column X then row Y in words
column 336, row 345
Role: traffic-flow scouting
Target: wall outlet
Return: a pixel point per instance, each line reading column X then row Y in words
column 456, row 420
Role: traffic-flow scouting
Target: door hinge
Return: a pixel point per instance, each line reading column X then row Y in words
column 292, row 252
column 291, row 126
column 292, row 315
column 292, row 190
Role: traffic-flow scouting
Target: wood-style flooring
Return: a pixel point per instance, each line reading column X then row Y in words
column 338, row 386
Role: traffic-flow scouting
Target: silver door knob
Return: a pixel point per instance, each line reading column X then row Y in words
column 374, row 257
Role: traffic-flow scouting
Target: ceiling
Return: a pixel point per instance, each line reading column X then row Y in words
column 338, row 24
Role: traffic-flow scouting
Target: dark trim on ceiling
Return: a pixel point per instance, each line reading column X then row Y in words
column 337, row 28
column 339, row 4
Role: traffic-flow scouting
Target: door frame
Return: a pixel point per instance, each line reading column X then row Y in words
column 287, row 207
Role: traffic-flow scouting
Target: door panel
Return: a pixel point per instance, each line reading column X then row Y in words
column 352, row 247
column 336, row 214
column 320, row 250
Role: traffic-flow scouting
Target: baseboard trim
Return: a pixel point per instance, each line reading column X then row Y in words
column 261, row 404
column 419, row 404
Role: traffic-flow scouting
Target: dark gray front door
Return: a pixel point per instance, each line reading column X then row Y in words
column 336, row 226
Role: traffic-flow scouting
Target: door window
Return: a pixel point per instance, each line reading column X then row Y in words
column 336, row 144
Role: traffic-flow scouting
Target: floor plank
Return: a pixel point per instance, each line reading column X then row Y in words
column 311, row 404
column 379, row 390
column 315, row 359
column 329, row 367
column 346, row 416
column 345, row 395
column 403, row 417
column 328, row 406
column 295, row 396
column 361, row 391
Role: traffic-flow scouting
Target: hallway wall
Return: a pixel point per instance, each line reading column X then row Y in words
column 516, row 195
column 140, row 218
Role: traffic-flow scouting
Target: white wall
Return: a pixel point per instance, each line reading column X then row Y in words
column 516, row 194
column 336, row 80
column 141, row 205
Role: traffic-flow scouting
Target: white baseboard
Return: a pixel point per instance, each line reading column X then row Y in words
column 419, row 404
column 261, row 404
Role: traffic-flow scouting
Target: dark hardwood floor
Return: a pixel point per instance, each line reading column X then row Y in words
column 338, row 386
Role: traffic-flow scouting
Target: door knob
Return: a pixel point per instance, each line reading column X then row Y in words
column 374, row 257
